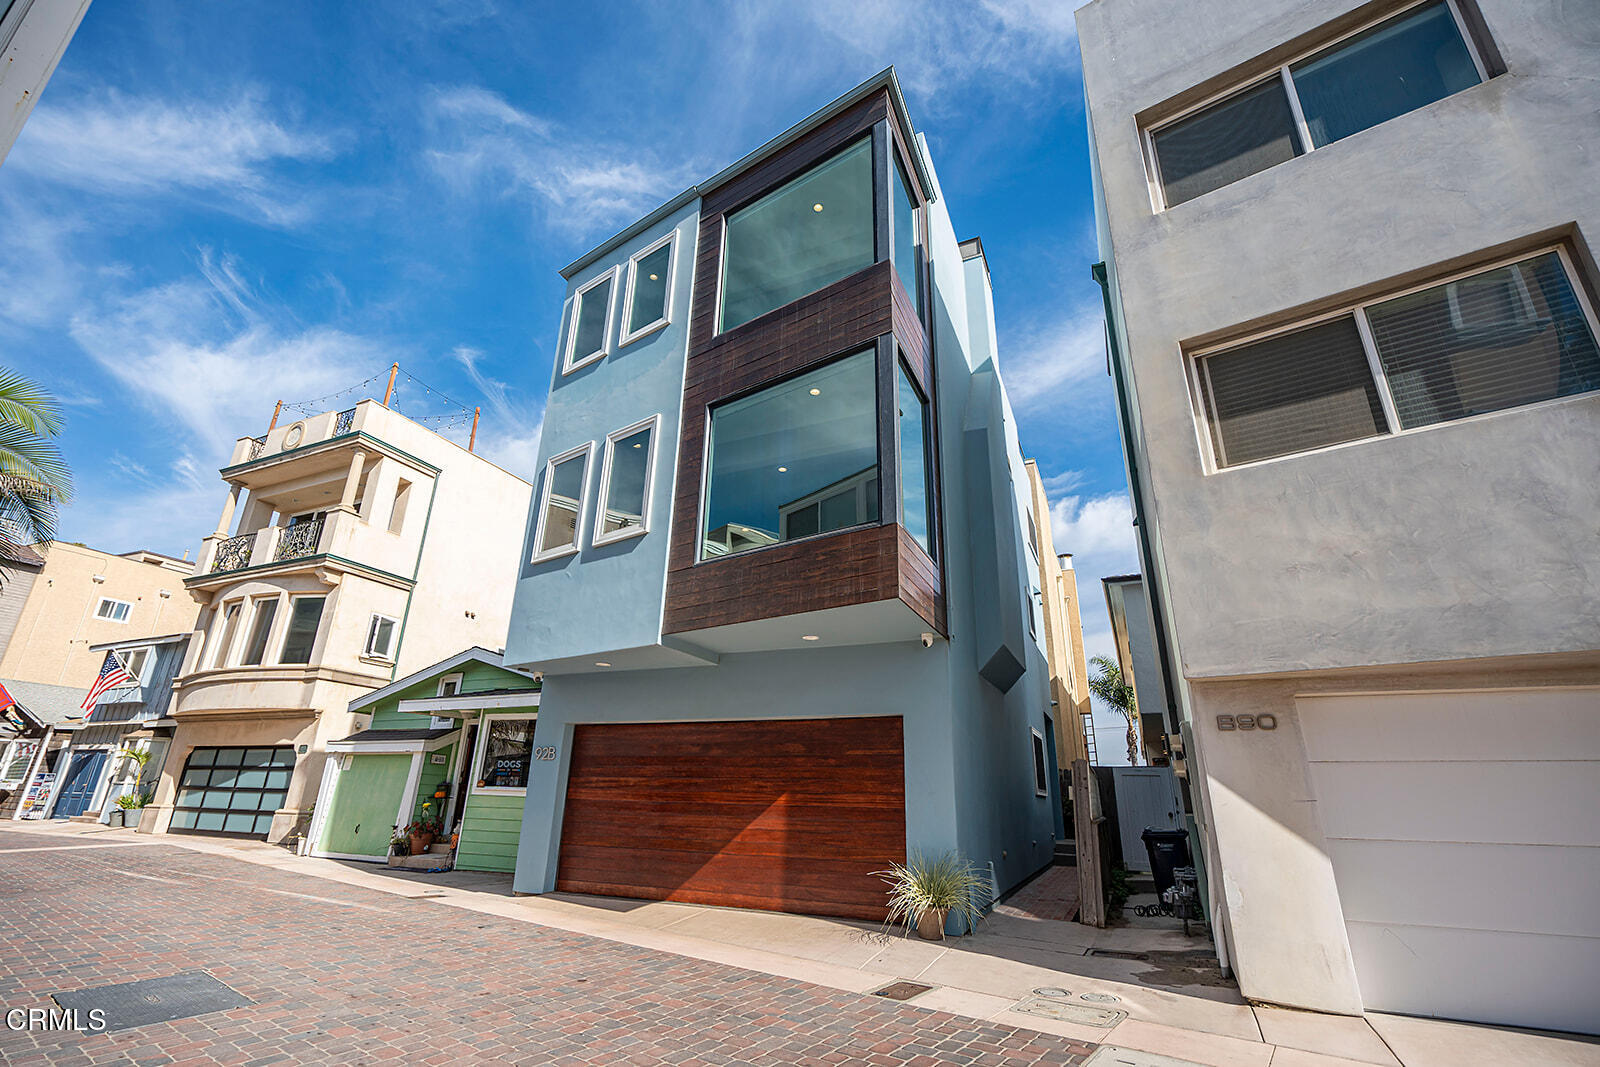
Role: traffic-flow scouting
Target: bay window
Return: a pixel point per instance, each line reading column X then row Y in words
column 916, row 503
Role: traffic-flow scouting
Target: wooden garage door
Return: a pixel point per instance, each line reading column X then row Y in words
column 790, row 815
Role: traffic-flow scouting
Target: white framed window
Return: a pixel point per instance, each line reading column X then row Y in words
column 450, row 684
column 1041, row 765
column 113, row 610
column 589, row 332
column 505, row 754
column 224, row 627
column 625, row 476
column 1389, row 66
column 1507, row 334
column 264, row 610
column 647, row 302
column 381, row 633
column 561, row 503
column 136, row 661
column 300, row 637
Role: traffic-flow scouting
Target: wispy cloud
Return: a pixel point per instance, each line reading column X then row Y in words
column 479, row 140
column 511, row 436
column 230, row 153
column 1053, row 360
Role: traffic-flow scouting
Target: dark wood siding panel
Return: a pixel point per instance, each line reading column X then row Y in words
column 919, row 581
column 789, row 815
column 909, row 335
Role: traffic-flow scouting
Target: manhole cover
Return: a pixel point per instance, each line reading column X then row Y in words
column 901, row 990
column 1098, row 998
column 1052, row 991
column 153, row 1000
column 1068, row 1012
column 1112, row 1056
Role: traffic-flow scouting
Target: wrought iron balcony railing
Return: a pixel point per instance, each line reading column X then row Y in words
column 298, row 541
column 233, row 554
column 344, row 422
column 257, row 446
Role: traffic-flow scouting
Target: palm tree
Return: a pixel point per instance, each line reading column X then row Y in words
column 34, row 479
column 1107, row 684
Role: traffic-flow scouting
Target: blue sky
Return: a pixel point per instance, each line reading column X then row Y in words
column 216, row 206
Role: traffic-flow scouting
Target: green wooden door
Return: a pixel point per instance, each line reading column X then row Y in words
column 365, row 801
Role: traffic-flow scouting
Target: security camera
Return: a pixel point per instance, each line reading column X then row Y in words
column 927, row 640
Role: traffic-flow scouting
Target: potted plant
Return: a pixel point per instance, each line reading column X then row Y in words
column 399, row 843
column 422, row 830
column 923, row 892
column 128, row 802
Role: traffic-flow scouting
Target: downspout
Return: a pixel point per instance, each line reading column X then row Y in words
column 422, row 543
column 1146, row 555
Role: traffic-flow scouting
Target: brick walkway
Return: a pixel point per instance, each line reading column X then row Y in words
column 1052, row 895
column 341, row 974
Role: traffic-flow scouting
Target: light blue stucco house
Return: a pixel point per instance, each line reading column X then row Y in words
column 779, row 583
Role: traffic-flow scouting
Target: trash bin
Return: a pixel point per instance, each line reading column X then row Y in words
column 1168, row 850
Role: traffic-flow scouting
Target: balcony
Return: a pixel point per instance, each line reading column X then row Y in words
column 270, row 544
column 302, row 433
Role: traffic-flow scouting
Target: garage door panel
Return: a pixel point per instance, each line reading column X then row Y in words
column 1514, row 803
column 696, row 812
column 1511, row 979
column 1533, row 724
column 1480, row 887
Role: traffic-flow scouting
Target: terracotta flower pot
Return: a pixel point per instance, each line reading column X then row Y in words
column 420, row 843
column 930, row 925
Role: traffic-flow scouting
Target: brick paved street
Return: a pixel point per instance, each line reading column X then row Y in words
column 342, row 974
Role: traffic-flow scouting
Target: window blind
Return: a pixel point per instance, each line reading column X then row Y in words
column 1229, row 140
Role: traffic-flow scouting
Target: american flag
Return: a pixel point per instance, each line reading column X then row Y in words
column 112, row 674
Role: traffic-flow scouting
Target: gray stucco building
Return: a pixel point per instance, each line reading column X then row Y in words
column 1351, row 288
column 780, row 587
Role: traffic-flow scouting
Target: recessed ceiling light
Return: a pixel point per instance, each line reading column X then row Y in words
column 816, row 207
column 783, row 470
column 601, row 663
column 652, row 277
column 810, row 637
column 816, row 392
column 638, row 444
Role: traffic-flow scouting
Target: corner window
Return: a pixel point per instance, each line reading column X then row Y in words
column 566, row 481
column 1396, row 66
column 305, row 615
column 906, row 238
column 589, row 336
column 113, row 610
column 794, row 459
column 625, row 482
column 1507, row 336
column 799, row 238
column 255, row 650
column 380, row 637
column 916, row 503
column 649, row 289
column 1041, row 766
column 507, row 753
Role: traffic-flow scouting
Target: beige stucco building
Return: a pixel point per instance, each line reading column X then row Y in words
column 1063, row 633
column 59, row 600
column 367, row 547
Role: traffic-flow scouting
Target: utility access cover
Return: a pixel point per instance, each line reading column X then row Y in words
column 1112, row 1056
column 154, row 1000
column 1068, row 1012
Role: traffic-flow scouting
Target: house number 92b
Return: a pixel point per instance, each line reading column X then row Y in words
column 1265, row 721
column 545, row 752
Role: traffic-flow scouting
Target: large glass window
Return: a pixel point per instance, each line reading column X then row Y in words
column 507, row 751
column 256, row 649
column 305, row 614
column 1509, row 336
column 1395, row 67
column 565, row 479
column 649, row 275
column 905, row 237
column 813, row 231
column 915, row 500
column 795, row 459
column 625, row 483
column 591, row 322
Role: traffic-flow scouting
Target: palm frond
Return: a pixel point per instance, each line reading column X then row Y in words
column 34, row 478
column 25, row 404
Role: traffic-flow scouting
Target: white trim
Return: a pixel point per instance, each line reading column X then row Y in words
column 586, row 450
column 1282, row 71
column 568, row 362
column 469, row 702
column 477, row 653
column 1357, row 311
column 456, row 677
column 387, row 655
column 600, row 537
column 477, row 760
column 628, row 337
column 319, row 818
column 390, row 748
column 112, row 618
column 408, row 795
column 288, row 619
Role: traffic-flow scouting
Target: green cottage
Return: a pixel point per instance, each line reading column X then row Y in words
column 452, row 742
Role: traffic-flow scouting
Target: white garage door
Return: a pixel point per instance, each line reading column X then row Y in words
column 1464, row 831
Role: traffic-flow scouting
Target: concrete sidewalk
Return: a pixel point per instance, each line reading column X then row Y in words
column 1165, row 1001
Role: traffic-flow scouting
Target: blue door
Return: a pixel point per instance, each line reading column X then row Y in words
column 78, row 790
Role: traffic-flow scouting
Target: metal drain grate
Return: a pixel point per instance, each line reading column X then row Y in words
column 154, row 1000
column 1119, row 954
column 901, row 990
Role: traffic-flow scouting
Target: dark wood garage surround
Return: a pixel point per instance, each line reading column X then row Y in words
column 786, row 815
